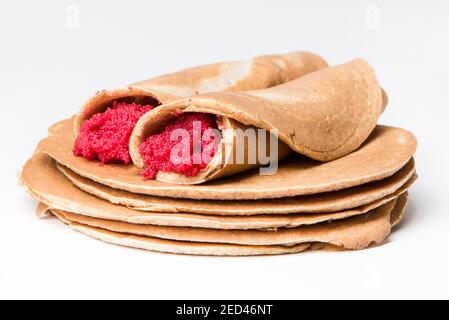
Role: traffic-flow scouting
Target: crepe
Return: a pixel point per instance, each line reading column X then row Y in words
column 183, row 247
column 318, row 203
column 399, row 210
column 324, row 115
column 43, row 210
column 385, row 152
column 353, row 233
column 48, row 185
column 260, row 72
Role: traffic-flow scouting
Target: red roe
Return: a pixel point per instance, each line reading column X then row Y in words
column 105, row 136
column 157, row 149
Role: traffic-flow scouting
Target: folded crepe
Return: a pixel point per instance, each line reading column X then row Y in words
column 323, row 115
column 260, row 72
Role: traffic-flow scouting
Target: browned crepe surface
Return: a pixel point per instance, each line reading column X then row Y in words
column 260, row 72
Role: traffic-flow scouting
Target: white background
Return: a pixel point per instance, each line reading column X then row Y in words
column 51, row 61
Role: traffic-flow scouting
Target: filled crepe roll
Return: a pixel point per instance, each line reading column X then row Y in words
column 104, row 125
column 323, row 115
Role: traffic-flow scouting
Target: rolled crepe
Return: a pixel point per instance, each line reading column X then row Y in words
column 324, row 115
column 260, row 72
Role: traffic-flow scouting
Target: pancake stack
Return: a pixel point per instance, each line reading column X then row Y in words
column 341, row 182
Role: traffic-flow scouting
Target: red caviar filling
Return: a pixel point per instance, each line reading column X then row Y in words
column 156, row 151
column 105, row 136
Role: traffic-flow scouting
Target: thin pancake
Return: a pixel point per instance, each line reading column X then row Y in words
column 48, row 185
column 322, row 202
column 195, row 248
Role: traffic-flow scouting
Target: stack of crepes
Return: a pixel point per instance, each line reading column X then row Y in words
column 341, row 180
